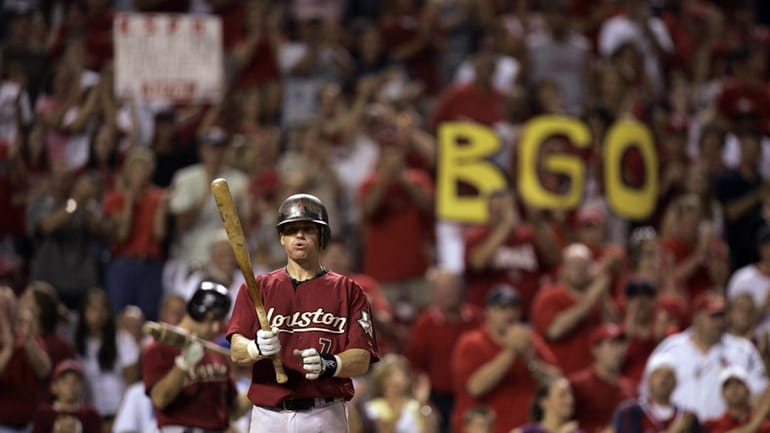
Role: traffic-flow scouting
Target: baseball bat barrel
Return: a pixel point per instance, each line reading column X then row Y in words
column 227, row 210
column 175, row 336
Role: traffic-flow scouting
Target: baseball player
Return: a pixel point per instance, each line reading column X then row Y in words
column 321, row 328
column 191, row 390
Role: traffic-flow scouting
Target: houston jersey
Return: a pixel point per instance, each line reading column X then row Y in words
column 329, row 312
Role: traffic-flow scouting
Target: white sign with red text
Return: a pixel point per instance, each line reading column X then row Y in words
column 170, row 57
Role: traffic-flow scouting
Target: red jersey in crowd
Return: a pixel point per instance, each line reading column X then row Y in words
column 512, row 395
column 728, row 422
column 141, row 242
column 467, row 102
column 573, row 351
column 700, row 280
column 18, row 399
column 329, row 313
column 397, row 234
column 208, row 393
column 433, row 336
column 516, row 262
column 596, row 399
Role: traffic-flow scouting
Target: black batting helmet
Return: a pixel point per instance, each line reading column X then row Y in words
column 210, row 298
column 305, row 207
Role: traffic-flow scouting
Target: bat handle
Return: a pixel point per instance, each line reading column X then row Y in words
column 280, row 374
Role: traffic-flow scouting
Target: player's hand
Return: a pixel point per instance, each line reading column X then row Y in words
column 311, row 362
column 190, row 356
column 267, row 342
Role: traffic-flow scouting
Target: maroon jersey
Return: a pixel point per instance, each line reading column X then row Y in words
column 207, row 395
column 329, row 313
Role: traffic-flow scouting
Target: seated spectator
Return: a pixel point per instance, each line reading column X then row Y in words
column 435, row 333
column 478, row 419
column 599, row 388
column 653, row 411
column 702, row 352
column 499, row 363
column 741, row 414
column 398, row 401
column 568, row 313
column 23, row 362
column 552, row 409
column 68, row 388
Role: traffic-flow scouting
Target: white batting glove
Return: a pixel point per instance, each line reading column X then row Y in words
column 265, row 345
column 311, row 362
column 190, row 356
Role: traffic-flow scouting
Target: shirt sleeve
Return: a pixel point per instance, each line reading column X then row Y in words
column 465, row 361
column 756, row 369
column 127, row 418
column 361, row 332
column 244, row 319
column 544, row 311
column 156, row 363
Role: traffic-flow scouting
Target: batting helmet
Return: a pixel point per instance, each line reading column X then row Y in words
column 305, row 207
column 210, row 298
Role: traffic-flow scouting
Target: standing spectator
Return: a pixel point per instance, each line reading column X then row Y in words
column 498, row 363
column 435, row 333
column 399, row 403
column 653, row 411
column 40, row 302
column 569, row 312
column 68, row 388
column 397, row 204
column 552, row 409
column 192, row 206
column 740, row 191
column 754, row 280
column 507, row 250
column 137, row 211
column 22, row 363
column 65, row 224
column 599, row 388
column 702, row 352
column 741, row 414
column 699, row 256
column 643, row 325
column 104, row 361
column 561, row 55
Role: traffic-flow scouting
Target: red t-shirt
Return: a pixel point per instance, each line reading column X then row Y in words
column 597, row 399
column 141, row 241
column 46, row 415
column 516, row 262
column 397, row 235
column 18, row 399
column 433, row 336
column 700, row 280
column 639, row 349
column 513, row 394
column 208, row 393
column 262, row 66
column 573, row 351
column 469, row 103
column 739, row 97
column 728, row 422
column 329, row 313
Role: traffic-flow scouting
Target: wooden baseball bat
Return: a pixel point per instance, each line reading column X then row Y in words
column 232, row 223
column 176, row 336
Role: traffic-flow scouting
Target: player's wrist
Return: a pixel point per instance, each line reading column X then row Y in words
column 253, row 350
column 331, row 365
column 181, row 363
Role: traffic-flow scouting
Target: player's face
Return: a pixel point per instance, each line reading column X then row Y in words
column 300, row 240
column 208, row 328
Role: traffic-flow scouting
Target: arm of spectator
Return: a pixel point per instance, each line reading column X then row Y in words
column 482, row 255
column 568, row 319
column 516, row 341
column 56, row 219
column 737, row 208
column 424, row 144
column 122, row 220
column 420, row 197
column 545, row 239
column 159, row 221
column 415, row 45
column 7, row 342
column 242, row 406
column 86, row 111
column 38, row 358
column 684, row 270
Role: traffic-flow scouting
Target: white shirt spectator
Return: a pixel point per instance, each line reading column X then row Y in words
column 136, row 414
column 620, row 30
column 698, row 388
column 106, row 387
column 750, row 280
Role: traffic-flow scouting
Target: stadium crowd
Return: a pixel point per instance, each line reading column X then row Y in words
column 536, row 321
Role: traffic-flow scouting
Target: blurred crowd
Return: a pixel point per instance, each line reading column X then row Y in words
column 536, row 321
